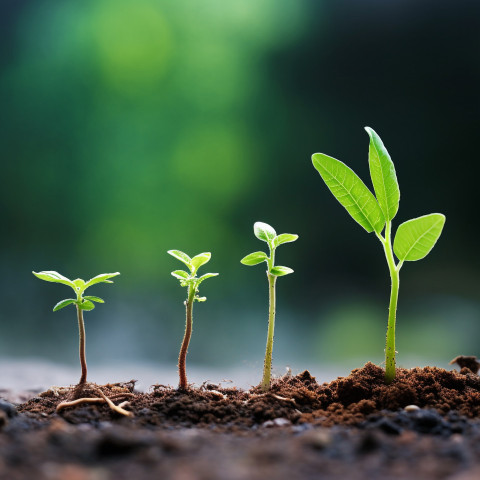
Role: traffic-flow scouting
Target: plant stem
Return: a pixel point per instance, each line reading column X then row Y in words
column 267, row 366
column 392, row 311
column 186, row 339
column 81, row 332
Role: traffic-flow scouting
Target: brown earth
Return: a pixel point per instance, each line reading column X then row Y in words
column 424, row 424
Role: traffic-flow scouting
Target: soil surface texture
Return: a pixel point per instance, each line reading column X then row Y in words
column 425, row 425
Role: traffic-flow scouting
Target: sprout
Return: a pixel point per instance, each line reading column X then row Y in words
column 81, row 303
column 192, row 282
column 267, row 234
column 414, row 239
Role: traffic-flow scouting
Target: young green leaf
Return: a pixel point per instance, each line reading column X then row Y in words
column 183, row 257
column 415, row 238
column 104, row 277
column 51, row 276
column 384, row 178
column 280, row 271
column 201, row 259
column 79, row 284
column 350, row 191
column 284, row 238
column 254, row 258
column 92, row 298
column 63, row 303
column 264, row 232
column 204, row 277
column 180, row 274
column 87, row 305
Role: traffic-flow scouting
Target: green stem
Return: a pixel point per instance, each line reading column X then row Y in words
column 81, row 332
column 182, row 358
column 267, row 366
column 392, row 311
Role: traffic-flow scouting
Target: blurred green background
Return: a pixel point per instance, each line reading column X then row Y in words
column 132, row 127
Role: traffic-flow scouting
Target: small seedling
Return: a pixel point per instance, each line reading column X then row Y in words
column 81, row 303
column 192, row 282
column 267, row 234
column 414, row 239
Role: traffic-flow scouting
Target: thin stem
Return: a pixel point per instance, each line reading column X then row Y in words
column 267, row 366
column 81, row 332
column 182, row 358
column 392, row 311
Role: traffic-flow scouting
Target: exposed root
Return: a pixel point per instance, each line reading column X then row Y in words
column 284, row 399
column 118, row 409
column 102, row 399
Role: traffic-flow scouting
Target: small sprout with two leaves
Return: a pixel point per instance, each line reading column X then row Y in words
column 82, row 302
column 192, row 282
column 414, row 238
column 267, row 234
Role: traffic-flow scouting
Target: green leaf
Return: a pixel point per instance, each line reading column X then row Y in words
column 254, row 258
column 200, row 260
column 350, row 191
column 86, row 305
column 204, row 277
column 180, row 274
column 63, row 303
column 200, row 299
column 103, row 277
column 51, row 276
column 264, row 232
column 94, row 299
column 384, row 178
column 79, row 284
column 284, row 238
column 183, row 257
column 414, row 239
column 280, row 271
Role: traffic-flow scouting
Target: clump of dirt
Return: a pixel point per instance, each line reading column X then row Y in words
column 295, row 399
column 469, row 362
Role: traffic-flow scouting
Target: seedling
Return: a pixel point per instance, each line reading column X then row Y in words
column 81, row 302
column 414, row 239
column 192, row 282
column 267, row 234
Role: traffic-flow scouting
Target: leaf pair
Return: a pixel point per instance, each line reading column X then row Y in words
column 415, row 238
column 267, row 234
column 79, row 286
column 193, row 264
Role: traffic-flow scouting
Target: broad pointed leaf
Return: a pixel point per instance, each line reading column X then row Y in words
column 414, row 239
column 264, row 232
column 350, row 191
column 103, row 277
column 52, row 276
column 92, row 298
column 180, row 274
column 201, row 259
column 384, row 178
column 183, row 257
column 280, row 271
column 63, row 303
column 254, row 258
column 284, row 238
column 87, row 305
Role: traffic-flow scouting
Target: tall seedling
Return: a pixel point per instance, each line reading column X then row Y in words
column 414, row 239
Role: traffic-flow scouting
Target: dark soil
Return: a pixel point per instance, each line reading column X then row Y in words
column 424, row 425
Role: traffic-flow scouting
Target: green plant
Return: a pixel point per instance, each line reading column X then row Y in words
column 81, row 303
column 192, row 282
column 267, row 234
column 414, row 239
